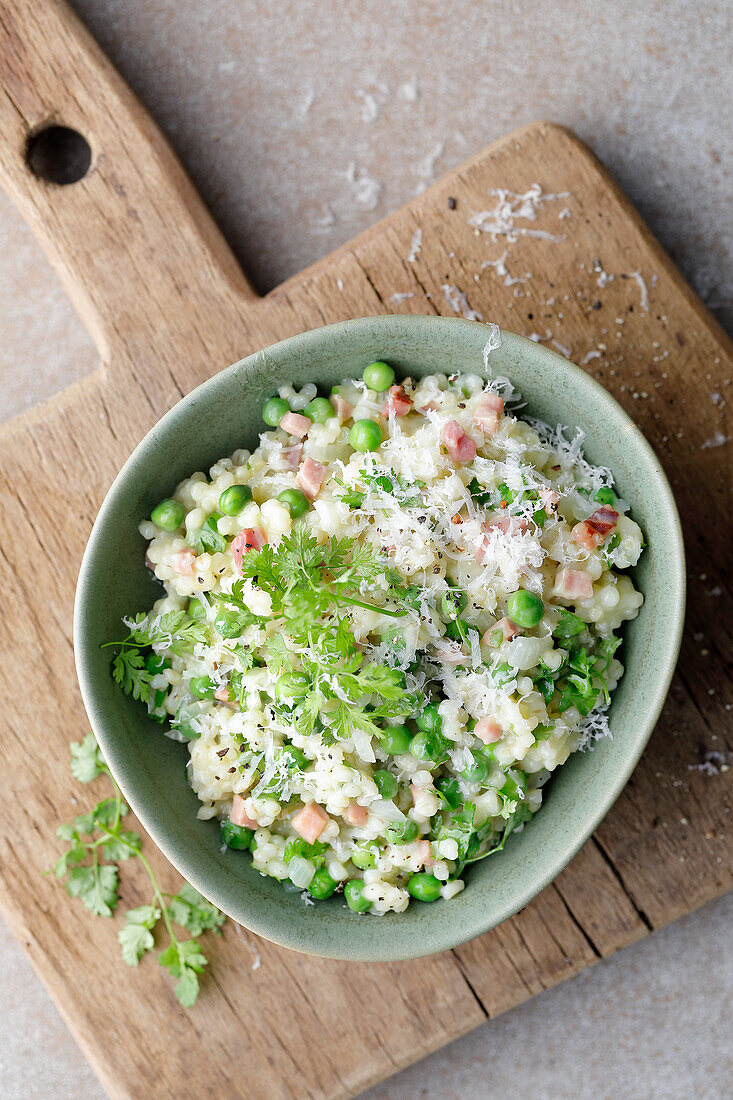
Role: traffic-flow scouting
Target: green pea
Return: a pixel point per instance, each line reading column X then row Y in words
column 477, row 771
column 451, row 604
column 197, row 610
column 606, row 496
column 428, row 746
column 429, row 719
column 378, row 376
column 274, row 410
column 362, row 858
column 395, row 740
column 515, row 786
column 366, row 435
column 228, row 624
column 319, row 410
column 203, row 687
column 354, row 894
column 525, row 608
column 292, row 685
column 155, row 663
column 297, row 503
column 322, row 885
column 424, row 887
column 386, row 783
column 236, row 836
column 234, row 499
column 403, row 833
column 168, row 515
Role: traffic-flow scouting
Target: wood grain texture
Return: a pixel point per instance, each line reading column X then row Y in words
column 168, row 307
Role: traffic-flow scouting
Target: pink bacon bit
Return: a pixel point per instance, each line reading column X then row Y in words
column 342, row 407
column 184, row 562
column 356, row 815
column 223, row 693
column 573, row 584
column 550, row 499
column 508, row 630
column 239, row 816
column 508, row 525
column 592, row 531
column 488, row 413
column 252, row 538
column 310, row 822
column 460, row 446
column 296, row 424
column 488, row 730
column 291, row 455
column 397, row 403
column 422, row 851
column 310, row 477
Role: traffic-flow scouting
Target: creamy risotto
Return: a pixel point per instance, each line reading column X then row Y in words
column 383, row 629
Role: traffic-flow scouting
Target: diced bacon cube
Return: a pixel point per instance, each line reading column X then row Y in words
column 252, row 538
column 184, row 562
column 488, row 730
column 356, row 815
column 415, row 791
column 422, row 851
column 550, row 499
column 397, row 403
column 508, row 630
column 342, row 407
column 222, row 693
column 291, row 455
column 310, row 822
column 239, row 816
column 296, row 424
column 460, row 446
column 592, row 531
column 310, row 477
column 488, row 412
column 573, row 584
column 508, row 525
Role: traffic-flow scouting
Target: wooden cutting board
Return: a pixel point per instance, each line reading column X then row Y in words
column 168, row 306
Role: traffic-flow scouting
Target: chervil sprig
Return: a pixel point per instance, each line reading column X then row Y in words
column 97, row 843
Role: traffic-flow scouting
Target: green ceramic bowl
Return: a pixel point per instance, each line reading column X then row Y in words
column 224, row 414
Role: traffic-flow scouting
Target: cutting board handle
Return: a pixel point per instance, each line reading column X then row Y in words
column 130, row 239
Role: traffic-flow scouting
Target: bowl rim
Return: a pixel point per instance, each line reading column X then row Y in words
column 290, row 933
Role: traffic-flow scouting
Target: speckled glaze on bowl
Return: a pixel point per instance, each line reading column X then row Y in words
column 224, row 414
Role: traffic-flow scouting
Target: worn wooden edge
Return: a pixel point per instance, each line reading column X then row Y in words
column 52, row 71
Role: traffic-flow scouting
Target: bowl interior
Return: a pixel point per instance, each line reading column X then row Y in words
column 224, row 414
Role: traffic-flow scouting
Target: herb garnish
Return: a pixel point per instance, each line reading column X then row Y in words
column 97, row 843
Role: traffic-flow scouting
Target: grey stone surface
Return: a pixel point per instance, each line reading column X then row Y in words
column 270, row 105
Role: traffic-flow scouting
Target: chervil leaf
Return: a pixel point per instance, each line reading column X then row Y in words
column 129, row 672
column 185, row 960
column 193, row 912
column 124, row 845
column 96, row 886
column 136, row 937
column 86, row 759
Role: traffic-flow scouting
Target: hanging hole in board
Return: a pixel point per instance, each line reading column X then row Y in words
column 58, row 154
